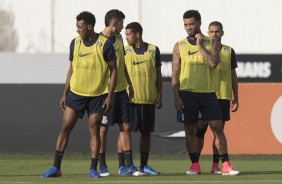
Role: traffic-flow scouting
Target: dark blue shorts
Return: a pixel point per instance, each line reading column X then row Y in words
column 206, row 103
column 119, row 113
column 80, row 104
column 225, row 109
column 142, row 117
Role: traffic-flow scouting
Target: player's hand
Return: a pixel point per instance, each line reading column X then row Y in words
column 131, row 92
column 179, row 104
column 215, row 40
column 107, row 103
column 199, row 39
column 63, row 102
column 216, row 43
column 234, row 105
column 158, row 103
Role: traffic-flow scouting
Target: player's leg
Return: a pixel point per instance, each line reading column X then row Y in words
column 216, row 157
column 95, row 142
column 122, row 169
column 192, row 148
column 211, row 112
column 69, row 120
column 75, row 108
column 211, row 108
column 221, row 144
column 95, row 116
column 201, row 131
column 190, row 118
column 147, row 125
column 225, row 111
column 125, row 143
column 144, row 147
column 108, row 120
column 122, row 117
column 134, row 119
column 102, row 154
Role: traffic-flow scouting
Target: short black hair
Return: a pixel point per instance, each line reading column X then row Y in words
column 87, row 17
column 113, row 14
column 216, row 23
column 135, row 27
column 192, row 13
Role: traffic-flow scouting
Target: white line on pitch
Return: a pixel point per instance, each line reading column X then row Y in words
column 239, row 181
column 17, row 182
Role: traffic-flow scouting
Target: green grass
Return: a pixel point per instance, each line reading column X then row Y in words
column 26, row 168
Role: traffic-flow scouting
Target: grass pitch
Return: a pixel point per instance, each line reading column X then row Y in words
column 26, row 169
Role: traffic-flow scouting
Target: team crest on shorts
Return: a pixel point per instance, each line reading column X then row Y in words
column 105, row 120
column 227, row 49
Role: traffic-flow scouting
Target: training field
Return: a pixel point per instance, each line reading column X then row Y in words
column 26, row 168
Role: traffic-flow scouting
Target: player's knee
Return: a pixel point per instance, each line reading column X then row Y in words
column 216, row 127
column 103, row 130
column 201, row 131
column 125, row 127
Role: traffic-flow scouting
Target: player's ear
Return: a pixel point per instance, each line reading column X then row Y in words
column 137, row 35
column 89, row 26
column 114, row 22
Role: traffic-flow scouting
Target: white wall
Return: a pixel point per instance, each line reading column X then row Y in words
column 251, row 26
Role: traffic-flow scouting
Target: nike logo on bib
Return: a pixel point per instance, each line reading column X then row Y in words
column 137, row 63
column 191, row 53
column 82, row 55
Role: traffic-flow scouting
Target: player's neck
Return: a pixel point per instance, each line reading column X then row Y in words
column 192, row 37
column 91, row 36
column 139, row 44
column 107, row 32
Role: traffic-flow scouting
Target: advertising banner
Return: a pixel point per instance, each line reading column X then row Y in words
column 251, row 67
column 257, row 126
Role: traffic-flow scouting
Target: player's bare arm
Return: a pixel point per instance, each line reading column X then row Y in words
column 212, row 58
column 131, row 90
column 235, row 100
column 159, row 85
column 175, row 78
column 66, row 89
column 113, row 78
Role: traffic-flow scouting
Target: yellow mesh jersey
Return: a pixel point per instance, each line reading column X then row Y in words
column 195, row 74
column 223, row 74
column 143, row 74
column 121, row 80
column 90, row 71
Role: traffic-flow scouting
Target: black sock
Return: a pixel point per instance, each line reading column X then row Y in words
column 121, row 160
column 216, row 158
column 194, row 157
column 102, row 160
column 58, row 159
column 94, row 163
column 128, row 158
column 144, row 159
column 224, row 157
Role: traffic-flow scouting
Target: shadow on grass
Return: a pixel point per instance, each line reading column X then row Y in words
column 260, row 172
column 70, row 175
